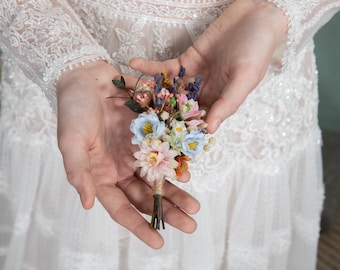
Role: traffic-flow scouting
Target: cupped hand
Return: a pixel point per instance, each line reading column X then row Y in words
column 95, row 141
column 232, row 56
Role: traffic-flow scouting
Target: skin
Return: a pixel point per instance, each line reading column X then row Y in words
column 232, row 56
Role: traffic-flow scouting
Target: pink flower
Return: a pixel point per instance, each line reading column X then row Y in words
column 190, row 110
column 156, row 160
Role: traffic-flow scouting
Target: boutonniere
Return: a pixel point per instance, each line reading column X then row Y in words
column 169, row 130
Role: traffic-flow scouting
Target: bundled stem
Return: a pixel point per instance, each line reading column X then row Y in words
column 157, row 213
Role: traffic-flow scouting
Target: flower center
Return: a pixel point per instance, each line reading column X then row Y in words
column 192, row 145
column 152, row 158
column 147, row 128
column 179, row 129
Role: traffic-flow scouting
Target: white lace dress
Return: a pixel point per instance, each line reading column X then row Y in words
column 260, row 187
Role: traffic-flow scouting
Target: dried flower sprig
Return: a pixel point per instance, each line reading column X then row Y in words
column 169, row 130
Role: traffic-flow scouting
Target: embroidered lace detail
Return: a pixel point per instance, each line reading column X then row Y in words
column 26, row 114
column 147, row 35
column 303, row 22
column 46, row 38
column 171, row 11
column 129, row 45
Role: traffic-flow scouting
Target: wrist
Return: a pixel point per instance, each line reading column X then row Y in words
column 98, row 73
column 277, row 18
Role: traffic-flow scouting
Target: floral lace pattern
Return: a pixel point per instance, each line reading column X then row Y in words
column 303, row 21
column 133, row 34
column 26, row 113
column 43, row 43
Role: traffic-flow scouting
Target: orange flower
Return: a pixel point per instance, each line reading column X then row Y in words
column 182, row 165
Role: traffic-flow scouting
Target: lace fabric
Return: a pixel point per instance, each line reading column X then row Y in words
column 304, row 22
column 260, row 185
column 37, row 35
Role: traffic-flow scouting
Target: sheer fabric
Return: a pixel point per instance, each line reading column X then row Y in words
column 260, row 186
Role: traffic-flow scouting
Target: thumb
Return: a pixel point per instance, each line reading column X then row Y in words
column 233, row 95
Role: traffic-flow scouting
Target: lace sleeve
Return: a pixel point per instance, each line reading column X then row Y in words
column 305, row 17
column 46, row 38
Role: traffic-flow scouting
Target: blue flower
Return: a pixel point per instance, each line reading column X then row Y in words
column 146, row 125
column 193, row 143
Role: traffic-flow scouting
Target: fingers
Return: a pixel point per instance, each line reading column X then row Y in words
column 185, row 177
column 176, row 203
column 153, row 67
column 233, row 95
column 120, row 209
column 180, row 198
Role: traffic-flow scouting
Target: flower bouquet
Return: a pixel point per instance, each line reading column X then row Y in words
column 169, row 130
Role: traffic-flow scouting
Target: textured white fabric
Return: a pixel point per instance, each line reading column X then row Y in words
column 260, row 186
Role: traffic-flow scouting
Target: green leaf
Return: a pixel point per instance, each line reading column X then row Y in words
column 172, row 101
column 119, row 83
column 134, row 106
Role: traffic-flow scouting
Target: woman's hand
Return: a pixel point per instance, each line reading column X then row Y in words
column 232, row 56
column 95, row 141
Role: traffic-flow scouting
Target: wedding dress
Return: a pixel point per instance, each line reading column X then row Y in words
column 260, row 186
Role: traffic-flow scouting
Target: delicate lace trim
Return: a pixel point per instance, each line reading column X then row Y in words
column 46, row 37
column 172, row 11
column 300, row 20
column 146, row 36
